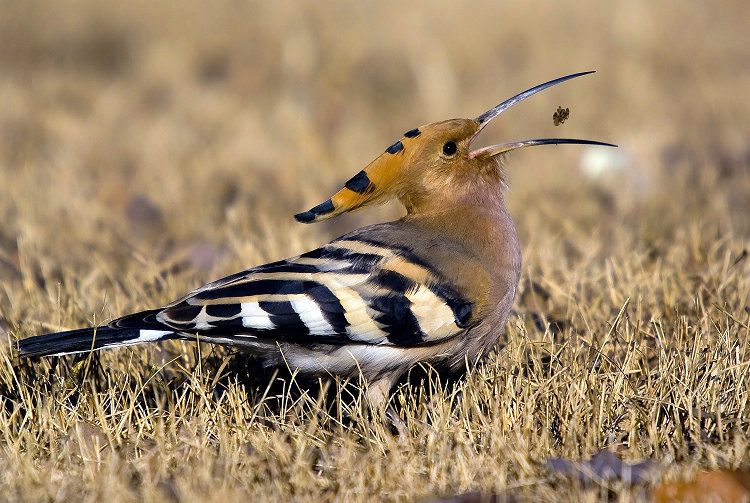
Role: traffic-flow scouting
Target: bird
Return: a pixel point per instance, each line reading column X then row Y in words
column 436, row 286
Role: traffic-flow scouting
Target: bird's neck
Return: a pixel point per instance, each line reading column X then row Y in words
column 471, row 211
column 474, row 243
column 476, row 217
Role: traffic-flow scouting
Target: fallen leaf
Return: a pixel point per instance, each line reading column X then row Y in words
column 718, row 486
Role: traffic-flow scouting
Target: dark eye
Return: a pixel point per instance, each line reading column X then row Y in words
column 449, row 148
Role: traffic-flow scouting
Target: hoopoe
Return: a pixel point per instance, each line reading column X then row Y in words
column 435, row 286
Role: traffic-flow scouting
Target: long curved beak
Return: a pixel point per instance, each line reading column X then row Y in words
column 490, row 114
column 513, row 145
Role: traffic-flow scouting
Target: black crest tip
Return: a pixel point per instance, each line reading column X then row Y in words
column 309, row 216
column 305, row 217
column 359, row 183
column 395, row 148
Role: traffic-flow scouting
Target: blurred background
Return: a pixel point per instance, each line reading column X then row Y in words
column 147, row 147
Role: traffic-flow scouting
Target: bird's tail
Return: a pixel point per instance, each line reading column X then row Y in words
column 133, row 329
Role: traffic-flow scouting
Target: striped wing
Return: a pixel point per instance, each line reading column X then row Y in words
column 349, row 290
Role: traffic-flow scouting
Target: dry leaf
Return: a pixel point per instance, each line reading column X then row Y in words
column 718, row 486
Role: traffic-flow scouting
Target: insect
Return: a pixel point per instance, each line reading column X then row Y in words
column 435, row 286
column 560, row 115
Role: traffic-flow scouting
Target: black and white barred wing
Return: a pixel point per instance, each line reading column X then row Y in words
column 347, row 291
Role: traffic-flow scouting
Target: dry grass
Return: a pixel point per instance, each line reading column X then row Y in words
column 146, row 149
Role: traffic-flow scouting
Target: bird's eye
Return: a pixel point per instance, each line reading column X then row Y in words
column 449, row 148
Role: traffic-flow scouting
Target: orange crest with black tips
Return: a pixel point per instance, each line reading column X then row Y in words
column 370, row 186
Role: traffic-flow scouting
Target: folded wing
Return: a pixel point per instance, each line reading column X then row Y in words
column 350, row 290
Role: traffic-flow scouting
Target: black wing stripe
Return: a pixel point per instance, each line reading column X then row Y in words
column 390, row 249
column 358, row 262
column 393, row 282
column 329, row 305
column 394, row 313
column 223, row 310
column 462, row 312
column 184, row 313
column 287, row 267
column 284, row 316
column 253, row 288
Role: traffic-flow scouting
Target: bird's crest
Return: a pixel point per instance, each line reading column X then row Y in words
column 370, row 185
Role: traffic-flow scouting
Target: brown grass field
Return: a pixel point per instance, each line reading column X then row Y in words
column 147, row 148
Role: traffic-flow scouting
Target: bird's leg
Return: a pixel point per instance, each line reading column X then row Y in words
column 377, row 394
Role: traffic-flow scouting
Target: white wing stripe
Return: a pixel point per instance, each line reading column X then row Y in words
column 361, row 326
column 311, row 315
column 254, row 317
column 149, row 336
column 434, row 316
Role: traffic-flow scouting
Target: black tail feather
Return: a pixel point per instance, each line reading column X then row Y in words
column 87, row 339
column 131, row 329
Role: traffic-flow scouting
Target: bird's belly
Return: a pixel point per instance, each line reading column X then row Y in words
column 368, row 360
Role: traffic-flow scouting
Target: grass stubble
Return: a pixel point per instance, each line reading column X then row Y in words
column 133, row 170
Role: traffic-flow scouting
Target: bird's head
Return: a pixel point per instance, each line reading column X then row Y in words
column 429, row 160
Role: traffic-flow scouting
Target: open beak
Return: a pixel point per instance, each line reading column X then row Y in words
column 486, row 117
